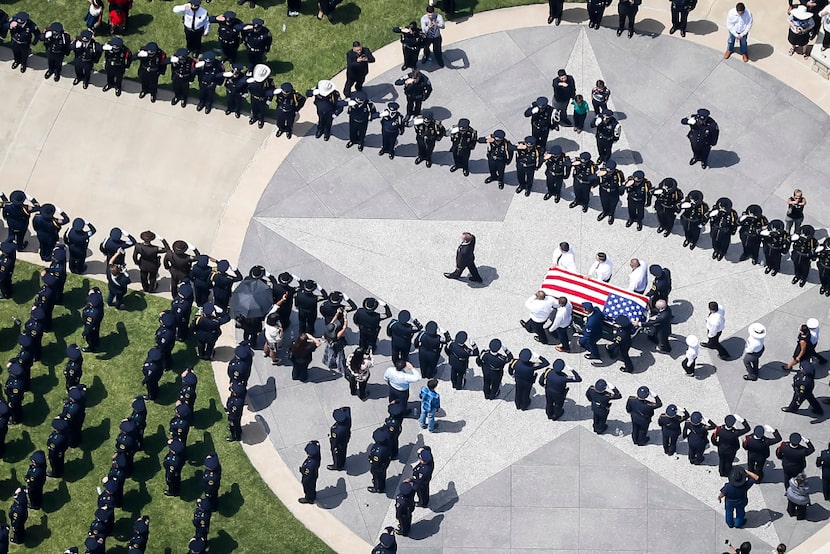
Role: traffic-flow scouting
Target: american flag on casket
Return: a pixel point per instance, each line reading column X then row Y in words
column 613, row 301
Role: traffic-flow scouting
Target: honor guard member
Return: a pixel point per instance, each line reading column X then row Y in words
column 696, row 433
column 776, row 243
column 327, row 101
column 57, row 268
column 117, row 58
column 139, row 417
column 416, row 88
column 623, row 334
column 669, row 423
column 379, row 459
column 58, row 45
column 394, row 426
column 641, row 410
column 679, row 16
column 540, row 114
column 147, row 257
column 307, row 301
column 4, row 426
column 309, row 470
column 600, row 398
column 803, row 251
column 757, row 446
column 555, row 11
column 35, row 328
column 523, row 370
column 703, row 135
column 197, row 545
column 750, row 224
column 499, row 154
column 667, row 204
column 93, row 314
column 361, row 111
column 87, row 53
column 166, row 337
column 391, row 127
column 528, row 160
column 386, row 543
column 284, row 293
column 15, row 389
column 35, row 479
column 74, row 370
column 18, row 514
column 17, row 210
column 612, row 185
column 412, row 40
column 56, row 446
column 233, row 407
column 152, row 63
column 823, row 461
column 208, row 327
column 368, row 321
column 140, row 536
column 555, row 381
column 723, row 223
column 357, row 67
column 727, row 439
column 182, row 306
column 557, row 169
column 74, row 412
column 239, row 368
column 180, row 423
column 627, row 9
column 429, row 343
column 405, row 506
column 822, row 264
column 793, row 455
column 187, row 392
column 196, row 22
column 693, row 218
column 427, row 131
column 584, row 177
column 8, row 259
column 257, row 39
column 236, row 84
column 201, row 518
column 804, row 382
column 339, row 436
column 608, row 132
column 401, row 331
column 463, row 139
column 229, row 31
column 492, row 362
column 200, row 275
column 422, row 475
column 183, row 70
column 289, row 102
column 638, row 189
column 592, row 331
column 459, row 353
column 24, row 34
column 77, row 241
column 222, row 280
column 261, row 88
column 212, row 478
column 210, row 74
column 596, row 10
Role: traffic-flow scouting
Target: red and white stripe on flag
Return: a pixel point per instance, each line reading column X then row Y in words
column 578, row 289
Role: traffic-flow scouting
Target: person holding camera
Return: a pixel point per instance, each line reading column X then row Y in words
column 357, row 67
column 117, row 281
column 431, row 24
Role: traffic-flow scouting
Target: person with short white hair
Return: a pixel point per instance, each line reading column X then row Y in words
column 540, row 306
column 602, row 268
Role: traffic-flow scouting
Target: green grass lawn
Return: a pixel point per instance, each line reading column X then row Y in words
column 308, row 50
column 249, row 517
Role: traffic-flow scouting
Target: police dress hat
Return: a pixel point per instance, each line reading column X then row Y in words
column 168, row 319
column 73, row 352
column 729, row 420
column 238, row 388
column 38, row 313
column 703, row 112
column 176, row 446
column 643, row 392
column 757, row 331
column 195, row 2
column 737, row 477
column 370, row 304
column 15, row 369
column 336, row 298
column 525, row 354
column 808, row 367
column 21, row 16
column 696, row 418
column 393, row 106
column 110, row 485
column 310, row 285
column 59, row 424
column 725, row 203
column 183, row 411
column 179, row 246
column 623, row 321
column 431, row 328
column 91, row 542
column 258, row 21
column 463, row 122
column 127, row 426
column 223, row 265
column 795, row 438
column 87, row 34
column 284, row 278
column 18, row 196
column 387, row 540
column 238, row 67
column 229, row 15
column 692, row 341
column 812, row 323
column 205, row 504
column 342, row 414
column 77, row 393
column 607, row 113
column 754, row 209
column 404, row 316
column 48, row 210
column 461, row 337
column 209, row 55
column 312, row 448
column 541, row 101
column 425, row 454
column 587, row 306
column 495, row 345
column 181, row 52
column 530, row 140
column 190, row 378
column 558, row 365
column 601, row 385
column 261, row 72
column 25, row 341
column 381, row 435
column 611, row 164
column 56, row 27
column 585, row 156
column 407, row 487
column 50, row 279
column 256, row 272
column 325, row 87
column 197, row 545
column 59, row 253
column 671, row 410
column 758, row 432
column 696, row 196
column 776, row 224
column 360, row 96
column 427, row 114
column 556, row 150
column 8, row 247
column 807, row 231
column 139, row 406
column 498, row 134
column 154, row 354
column 117, row 42
column 396, row 409
column 243, row 351
column 638, row 175
column 212, row 461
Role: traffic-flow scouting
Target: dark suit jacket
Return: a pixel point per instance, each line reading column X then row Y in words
column 465, row 255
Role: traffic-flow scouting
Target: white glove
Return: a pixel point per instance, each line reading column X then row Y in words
column 58, row 210
column 535, row 109
column 769, row 429
column 232, row 267
column 384, row 113
column 227, row 74
column 345, row 298
column 473, row 345
column 352, row 103
column 48, row 34
column 454, row 130
column 742, row 219
column 713, row 212
column 315, row 92
column 820, row 249
column 597, row 121
column 794, row 236
column 191, row 247
column 218, row 310
column 142, row 54
column 417, row 120
column 804, row 442
column 702, row 225
column 686, row 205
column 200, row 64
column 738, row 419
column 381, row 304
column 657, row 192
column 174, row 59
column 764, row 233
column 250, row 80
column 691, row 120
column 277, row 90
column 78, row 44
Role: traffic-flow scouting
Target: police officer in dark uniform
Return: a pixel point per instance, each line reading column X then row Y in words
column 405, row 506
column 222, row 280
column 173, row 463
column 696, row 432
column 608, row 132
column 14, row 389
column 74, row 412
column 327, row 103
column 309, row 470
column 139, row 417
column 187, row 393
column 427, row 131
column 152, row 63
column 234, row 406
column 611, row 187
column 723, row 223
column 528, row 159
column 379, row 460
column 386, row 543
column 555, row 381
column 584, row 177
column 803, row 251
column 368, row 321
column 776, row 243
column 5, row 413
column 236, row 83
column 804, row 382
column 822, row 264
column 623, row 333
column 757, row 446
column 73, row 372
column 183, row 68
column 412, row 40
column 140, row 536
column 459, row 354
column 77, row 241
column 284, row 293
column 600, row 399
column 58, row 44
column 181, row 307
column 18, row 514
column 638, row 189
column 147, row 257
column 228, row 28
column 339, row 436
column 24, row 35
column 793, row 455
column 669, row 423
column 306, row 301
column 557, row 169
column 750, row 224
column 429, row 343
column 641, row 410
column 117, row 58
column 627, row 9
column 208, row 327
column 87, row 53
column 727, row 439
column 667, row 204
column 463, row 139
column 391, row 127
column 540, row 114
column 56, row 445
column 212, row 478
column 35, row 479
column 361, row 111
column 201, row 518
column 693, row 217
column 679, row 16
column 417, row 88
column 166, row 337
column 524, row 371
column 35, row 327
column 499, row 154
column 17, row 212
column 8, row 259
column 703, row 135
column 401, row 331
column 210, row 74
column 200, row 279
column 289, row 102
column 394, row 426
column 180, row 423
column 240, row 366
column 422, row 475
column 257, row 38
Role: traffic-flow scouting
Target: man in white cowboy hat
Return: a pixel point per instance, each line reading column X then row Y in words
column 813, row 325
column 327, row 101
column 261, row 88
column 754, row 349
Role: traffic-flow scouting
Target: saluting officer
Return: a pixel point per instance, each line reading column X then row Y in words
column 416, row 88
column 429, row 343
column 463, row 139
column 528, row 159
column 693, row 217
column 15, row 389
column 196, row 22
column 757, row 446
column 703, row 135
column 669, row 423
column 427, row 131
column 803, row 252
column 236, row 83
column 306, row 302
column 600, row 398
column 391, row 127
column 368, row 321
column 229, row 31
column 47, row 229
column 289, row 102
column 750, row 225
column 361, row 111
column 327, row 101
column 776, row 243
column 24, row 34
column 492, row 362
column 257, row 39
column 557, row 169
column 822, row 264
column 210, row 74
column 524, row 371
column 555, row 381
column 638, row 189
column 309, row 471
column 608, row 132
column 540, row 114
column 696, row 433
column 723, row 223
column 667, row 204
column 641, row 410
column 793, row 455
column 499, row 154
column 459, row 353
column 58, row 45
column 87, row 53
column 147, row 257
column 17, row 210
column 612, row 185
column 401, row 331
column 117, row 58
column 412, row 39
column 584, row 177
column 339, row 436
column 261, row 88
column 183, row 71
column 153, row 62
column 727, row 438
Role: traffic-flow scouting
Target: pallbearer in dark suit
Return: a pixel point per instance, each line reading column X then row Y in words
column 465, row 259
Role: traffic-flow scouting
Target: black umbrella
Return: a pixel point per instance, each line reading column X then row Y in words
column 251, row 298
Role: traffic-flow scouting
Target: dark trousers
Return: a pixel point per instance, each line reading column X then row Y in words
column 378, row 477
column 665, row 217
column 461, row 158
column 306, row 320
column 691, row 230
column 152, row 386
column 496, row 169
column 149, row 82
column 56, row 462
column 595, row 15
column 701, row 152
column 525, row 177
column 752, row 246
column 55, row 63
column 726, row 457
column 357, row 132
column 338, row 455
column 604, row 149
column 756, row 466
column 204, row 350
column 554, row 184
column 299, row 372
column 367, row 341
column 207, row 93
column 679, row 18
column 255, row 58
column 114, row 77
column 492, row 383
column 355, row 81
column 435, row 44
column 555, row 8
column 714, row 342
column 825, row 486
column 21, row 53
column 389, row 141
column 425, row 147
column 429, row 364
column 413, row 106
column 609, row 201
column 234, row 103
column 554, row 404
column 796, row 511
column 422, row 490
column 696, row 450
column 181, row 88
column 600, row 422
column 410, row 57
column 670, row 442
column 404, row 522
column 772, row 258
column 93, row 339
column 400, row 353
column 625, row 358
column 324, row 122
column 639, row 432
column 579, row 120
column 561, row 334
column 357, row 388
column 522, row 395
column 310, row 488
column 148, row 280
column 798, row 399
column 83, row 71
column 258, row 108
column 582, row 193
column 285, row 121
column 636, row 211
column 235, row 428
column 538, row 328
column 193, row 38
column 230, row 51
column 661, row 339
column 590, row 344
column 458, row 375
column 628, row 14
